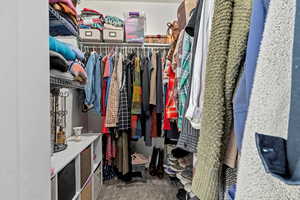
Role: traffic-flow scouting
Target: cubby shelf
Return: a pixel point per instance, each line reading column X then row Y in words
column 82, row 153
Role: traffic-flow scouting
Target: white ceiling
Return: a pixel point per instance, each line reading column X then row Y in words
column 150, row 1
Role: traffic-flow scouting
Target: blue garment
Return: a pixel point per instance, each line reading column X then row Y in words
column 98, row 85
column 93, row 86
column 243, row 92
column 61, row 48
column 231, row 192
column 79, row 54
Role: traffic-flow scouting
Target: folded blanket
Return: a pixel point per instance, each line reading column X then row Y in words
column 90, row 11
column 91, row 19
column 62, row 48
column 67, row 2
column 57, row 61
column 109, row 26
column 63, row 26
column 62, row 7
column 78, row 72
column 115, row 21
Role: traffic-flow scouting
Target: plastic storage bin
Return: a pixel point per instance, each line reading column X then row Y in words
column 135, row 28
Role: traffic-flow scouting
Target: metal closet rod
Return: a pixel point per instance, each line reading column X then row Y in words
column 142, row 45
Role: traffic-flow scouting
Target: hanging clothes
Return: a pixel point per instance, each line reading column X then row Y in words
column 124, row 115
column 243, row 91
column 93, row 87
column 189, row 136
column 171, row 108
column 193, row 113
column 185, row 73
column 153, row 79
column 206, row 182
column 146, row 107
column 137, row 88
column 113, row 99
column 159, row 83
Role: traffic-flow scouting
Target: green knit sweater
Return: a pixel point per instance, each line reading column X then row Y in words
column 227, row 45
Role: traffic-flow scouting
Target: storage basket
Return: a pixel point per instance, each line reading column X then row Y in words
column 113, row 35
column 90, row 35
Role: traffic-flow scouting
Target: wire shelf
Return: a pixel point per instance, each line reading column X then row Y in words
column 60, row 82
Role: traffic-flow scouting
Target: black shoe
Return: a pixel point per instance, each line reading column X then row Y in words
column 181, row 194
column 152, row 166
column 179, row 153
column 160, row 166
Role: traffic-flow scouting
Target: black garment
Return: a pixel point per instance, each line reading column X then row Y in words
column 146, row 114
column 129, row 68
column 58, row 62
column 159, row 85
column 172, row 134
column 145, row 81
column 192, row 27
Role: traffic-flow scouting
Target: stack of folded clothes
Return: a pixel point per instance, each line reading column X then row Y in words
column 112, row 22
column 65, row 57
column 91, row 19
column 180, row 165
column 67, row 21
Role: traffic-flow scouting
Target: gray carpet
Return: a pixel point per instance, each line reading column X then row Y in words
column 151, row 189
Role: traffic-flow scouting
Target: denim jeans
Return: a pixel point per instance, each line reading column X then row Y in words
column 93, row 86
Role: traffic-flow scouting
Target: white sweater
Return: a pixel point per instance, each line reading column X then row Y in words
column 269, row 105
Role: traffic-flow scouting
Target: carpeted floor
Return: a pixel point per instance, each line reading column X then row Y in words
column 150, row 189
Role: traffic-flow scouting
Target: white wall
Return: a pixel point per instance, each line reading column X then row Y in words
column 158, row 14
column 24, row 104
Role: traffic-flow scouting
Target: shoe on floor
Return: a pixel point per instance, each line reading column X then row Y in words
column 173, row 162
column 170, row 172
column 176, row 168
column 179, row 153
column 139, row 159
column 160, row 167
column 181, row 194
column 171, row 157
column 187, row 173
column 153, row 162
column 186, row 161
column 192, row 197
column 183, row 180
column 188, row 187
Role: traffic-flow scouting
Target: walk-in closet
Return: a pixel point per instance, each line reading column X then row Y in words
column 150, row 99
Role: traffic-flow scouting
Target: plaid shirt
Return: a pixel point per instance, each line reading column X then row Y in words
column 184, row 81
column 124, row 115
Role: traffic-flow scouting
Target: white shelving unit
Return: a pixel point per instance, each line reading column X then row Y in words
column 82, row 160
